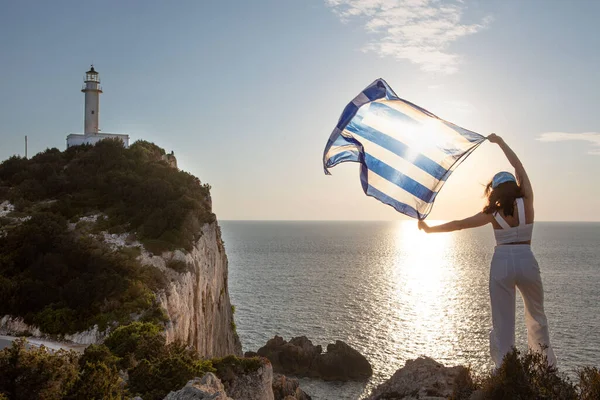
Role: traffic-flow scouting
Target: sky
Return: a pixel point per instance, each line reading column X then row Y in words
column 246, row 93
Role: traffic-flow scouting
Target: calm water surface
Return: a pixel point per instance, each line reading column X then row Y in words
column 395, row 293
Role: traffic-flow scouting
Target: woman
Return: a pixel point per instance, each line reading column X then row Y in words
column 510, row 211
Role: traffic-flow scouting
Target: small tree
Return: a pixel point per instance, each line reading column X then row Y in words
column 98, row 376
column 36, row 373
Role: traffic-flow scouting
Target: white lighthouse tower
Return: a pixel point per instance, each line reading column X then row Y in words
column 92, row 92
column 91, row 131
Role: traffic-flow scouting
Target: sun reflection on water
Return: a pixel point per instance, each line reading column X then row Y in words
column 423, row 274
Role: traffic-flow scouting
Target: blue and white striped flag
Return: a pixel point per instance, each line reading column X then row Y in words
column 406, row 153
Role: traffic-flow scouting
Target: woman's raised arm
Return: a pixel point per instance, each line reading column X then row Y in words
column 522, row 178
column 476, row 220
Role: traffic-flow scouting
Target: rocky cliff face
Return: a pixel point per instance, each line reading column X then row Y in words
column 197, row 301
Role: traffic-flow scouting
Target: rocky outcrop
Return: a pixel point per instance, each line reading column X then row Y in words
column 15, row 326
column 286, row 388
column 423, row 378
column 300, row 357
column 235, row 383
column 250, row 385
column 238, row 379
column 342, row 362
column 294, row 357
column 196, row 300
column 207, row 388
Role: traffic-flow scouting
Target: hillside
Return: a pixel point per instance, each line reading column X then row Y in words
column 99, row 236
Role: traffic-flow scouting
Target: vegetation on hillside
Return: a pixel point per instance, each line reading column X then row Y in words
column 60, row 278
column 153, row 368
column 133, row 187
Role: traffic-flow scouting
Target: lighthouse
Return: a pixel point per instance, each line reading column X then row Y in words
column 92, row 90
column 91, row 117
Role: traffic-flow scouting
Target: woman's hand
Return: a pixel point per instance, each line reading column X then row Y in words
column 423, row 226
column 493, row 138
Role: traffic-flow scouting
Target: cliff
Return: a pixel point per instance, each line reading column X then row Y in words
column 97, row 237
column 197, row 301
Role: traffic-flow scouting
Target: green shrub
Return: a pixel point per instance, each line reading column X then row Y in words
column 179, row 266
column 157, row 246
column 155, row 379
column 527, row 377
column 136, row 342
column 98, row 376
column 230, row 367
column 237, row 365
column 36, row 373
column 154, row 368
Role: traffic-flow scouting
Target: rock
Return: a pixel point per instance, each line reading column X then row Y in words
column 207, row 388
column 197, row 302
column 342, row 363
column 300, row 357
column 423, row 378
column 285, row 388
column 254, row 384
column 294, row 358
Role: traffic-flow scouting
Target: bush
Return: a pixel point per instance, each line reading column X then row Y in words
column 154, row 368
column 179, row 266
column 155, row 379
column 527, row 377
column 36, row 373
column 98, row 376
column 136, row 342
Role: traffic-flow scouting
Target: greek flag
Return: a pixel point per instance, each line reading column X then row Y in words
column 406, row 153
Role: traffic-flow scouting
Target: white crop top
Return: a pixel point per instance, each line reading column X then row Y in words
column 508, row 234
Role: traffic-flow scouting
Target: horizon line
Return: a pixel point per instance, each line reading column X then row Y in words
column 374, row 220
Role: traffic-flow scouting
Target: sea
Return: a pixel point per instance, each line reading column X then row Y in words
column 395, row 293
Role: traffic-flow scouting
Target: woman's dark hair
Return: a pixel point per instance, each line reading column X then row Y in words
column 502, row 198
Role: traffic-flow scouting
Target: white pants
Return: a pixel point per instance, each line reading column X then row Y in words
column 516, row 266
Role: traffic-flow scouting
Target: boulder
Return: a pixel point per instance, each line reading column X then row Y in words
column 293, row 358
column 285, row 388
column 423, row 379
column 300, row 357
column 209, row 387
column 342, row 363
